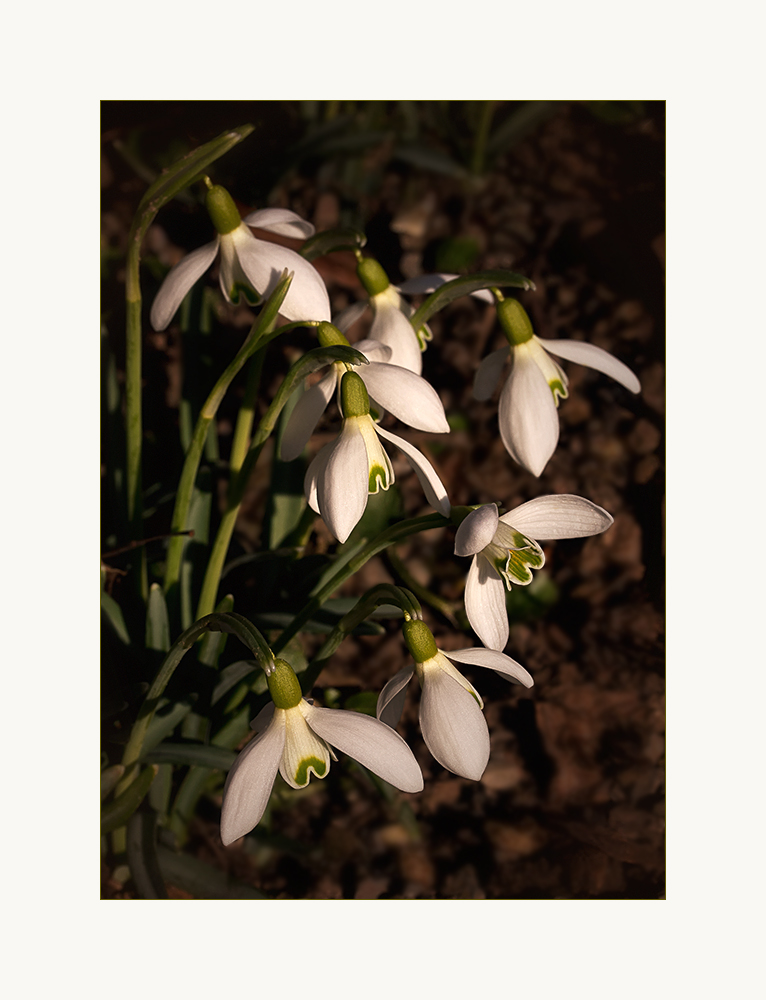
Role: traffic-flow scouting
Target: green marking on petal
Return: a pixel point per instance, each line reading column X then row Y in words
column 240, row 288
column 558, row 389
column 302, row 773
column 378, row 479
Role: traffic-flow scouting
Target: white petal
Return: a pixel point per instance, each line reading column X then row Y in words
column 263, row 718
column 558, row 516
column 593, row 357
column 263, row 263
column 280, row 220
column 342, row 485
column 305, row 416
column 346, row 318
column 488, row 373
column 305, row 752
column 314, row 471
column 248, row 786
column 453, row 726
column 407, row 396
column 425, row 283
column 391, row 327
column 433, row 487
column 374, row 744
column 373, row 350
column 391, row 699
column 529, row 423
column 178, row 282
column 494, row 660
column 477, row 530
column 485, row 603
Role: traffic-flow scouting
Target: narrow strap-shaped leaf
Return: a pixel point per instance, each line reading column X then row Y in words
column 118, row 812
column 157, row 624
column 331, row 240
column 141, row 848
column 191, row 754
column 464, row 286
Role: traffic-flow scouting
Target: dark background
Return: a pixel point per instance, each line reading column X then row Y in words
column 570, row 194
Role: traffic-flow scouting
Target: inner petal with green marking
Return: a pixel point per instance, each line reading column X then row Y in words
column 305, row 753
column 553, row 372
column 381, row 472
column 514, row 555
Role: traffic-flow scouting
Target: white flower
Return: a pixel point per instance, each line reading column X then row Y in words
column 295, row 741
column 529, row 424
column 405, row 395
column 505, row 551
column 248, row 266
column 347, row 470
column 451, row 720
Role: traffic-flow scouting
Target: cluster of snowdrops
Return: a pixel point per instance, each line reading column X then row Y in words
column 382, row 375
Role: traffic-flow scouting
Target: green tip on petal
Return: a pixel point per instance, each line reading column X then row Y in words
column 330, row 336
column 373, row 277
column 284, row 687
column 420, row 641
column 516, row 325
column 354, row 400
column 222, row 210
column 302, row 774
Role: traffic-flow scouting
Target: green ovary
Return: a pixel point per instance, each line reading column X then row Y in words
column 302, row 774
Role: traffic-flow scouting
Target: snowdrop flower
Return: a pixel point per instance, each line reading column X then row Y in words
column 294, row 738
column 407, row 396
column 347, row 470
column 248, row 266
column 505, row 551
column 529, row 424
column 451, row 720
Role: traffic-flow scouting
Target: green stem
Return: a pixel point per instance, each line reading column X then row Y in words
column 395, row 533
column 480, row 139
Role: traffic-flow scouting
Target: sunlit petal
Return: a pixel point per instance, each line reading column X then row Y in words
column 305, row 416
column 391, row 327
column 248, row 786
column 374, row 744
column 407, row 396
column 433, row 487
column 593, row 357
column 477, row 530
column 342, row 484
column 485, row 603
column 527, row 417
column 178, row 282
column 493, row 660
column 453, row 726
column 559, row 516
column 281, row 221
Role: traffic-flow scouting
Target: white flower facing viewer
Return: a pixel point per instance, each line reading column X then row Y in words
column 505, row 550
column 293, row 738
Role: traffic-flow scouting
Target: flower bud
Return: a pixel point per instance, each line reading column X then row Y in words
column 222, row 210
column 516, row 325
column 284, row 687
column 420, row 641
column 373, row 277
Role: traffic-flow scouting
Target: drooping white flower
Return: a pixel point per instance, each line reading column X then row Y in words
column 527, row 417
column 505, row 550
column 451, row 720
column 345, row 472
column 405, row 395
column 294, row 738
column 391, row 312
column 248, row 266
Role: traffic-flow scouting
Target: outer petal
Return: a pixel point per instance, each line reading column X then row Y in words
column 372, row 743
column 280, row 220
column 489, row 372
column 562, row 516
column 178, row 281
column 453, row 726
column 305, row 416
column 529, row 424
column 485, row 603
column 425, row 283
column 491, row 658
column 346, row 318
column 342, row 485
column 313, row 473
column 593, row 357
column 477, row 530
column 433, row 487
column 407, row 396
column 263, row 263
column 391, row 327
column 391, row 698
column 373, row 350
column 250, row 781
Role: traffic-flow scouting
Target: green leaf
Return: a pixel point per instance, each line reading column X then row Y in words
column 113, row 614
column 212, row 644
column 141, row 848
column 464, row 286
column 118, row 812
column 428, row 158
column 520, row 123
column 364, row 701
column 331, row 240
column 109, row 779
column 200, row 879
column 232, row 675
column 320, row 624
column 191, row 754
column 286, row 500
column 157, row 623
column 163, row 725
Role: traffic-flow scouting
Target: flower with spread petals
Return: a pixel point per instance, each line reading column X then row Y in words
column 505, row 551
column 294, row 737
column 529, row 424
column 248, row 266
column 391, row 313
column 451, row 720
column 345, row 472
column 407, row 396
